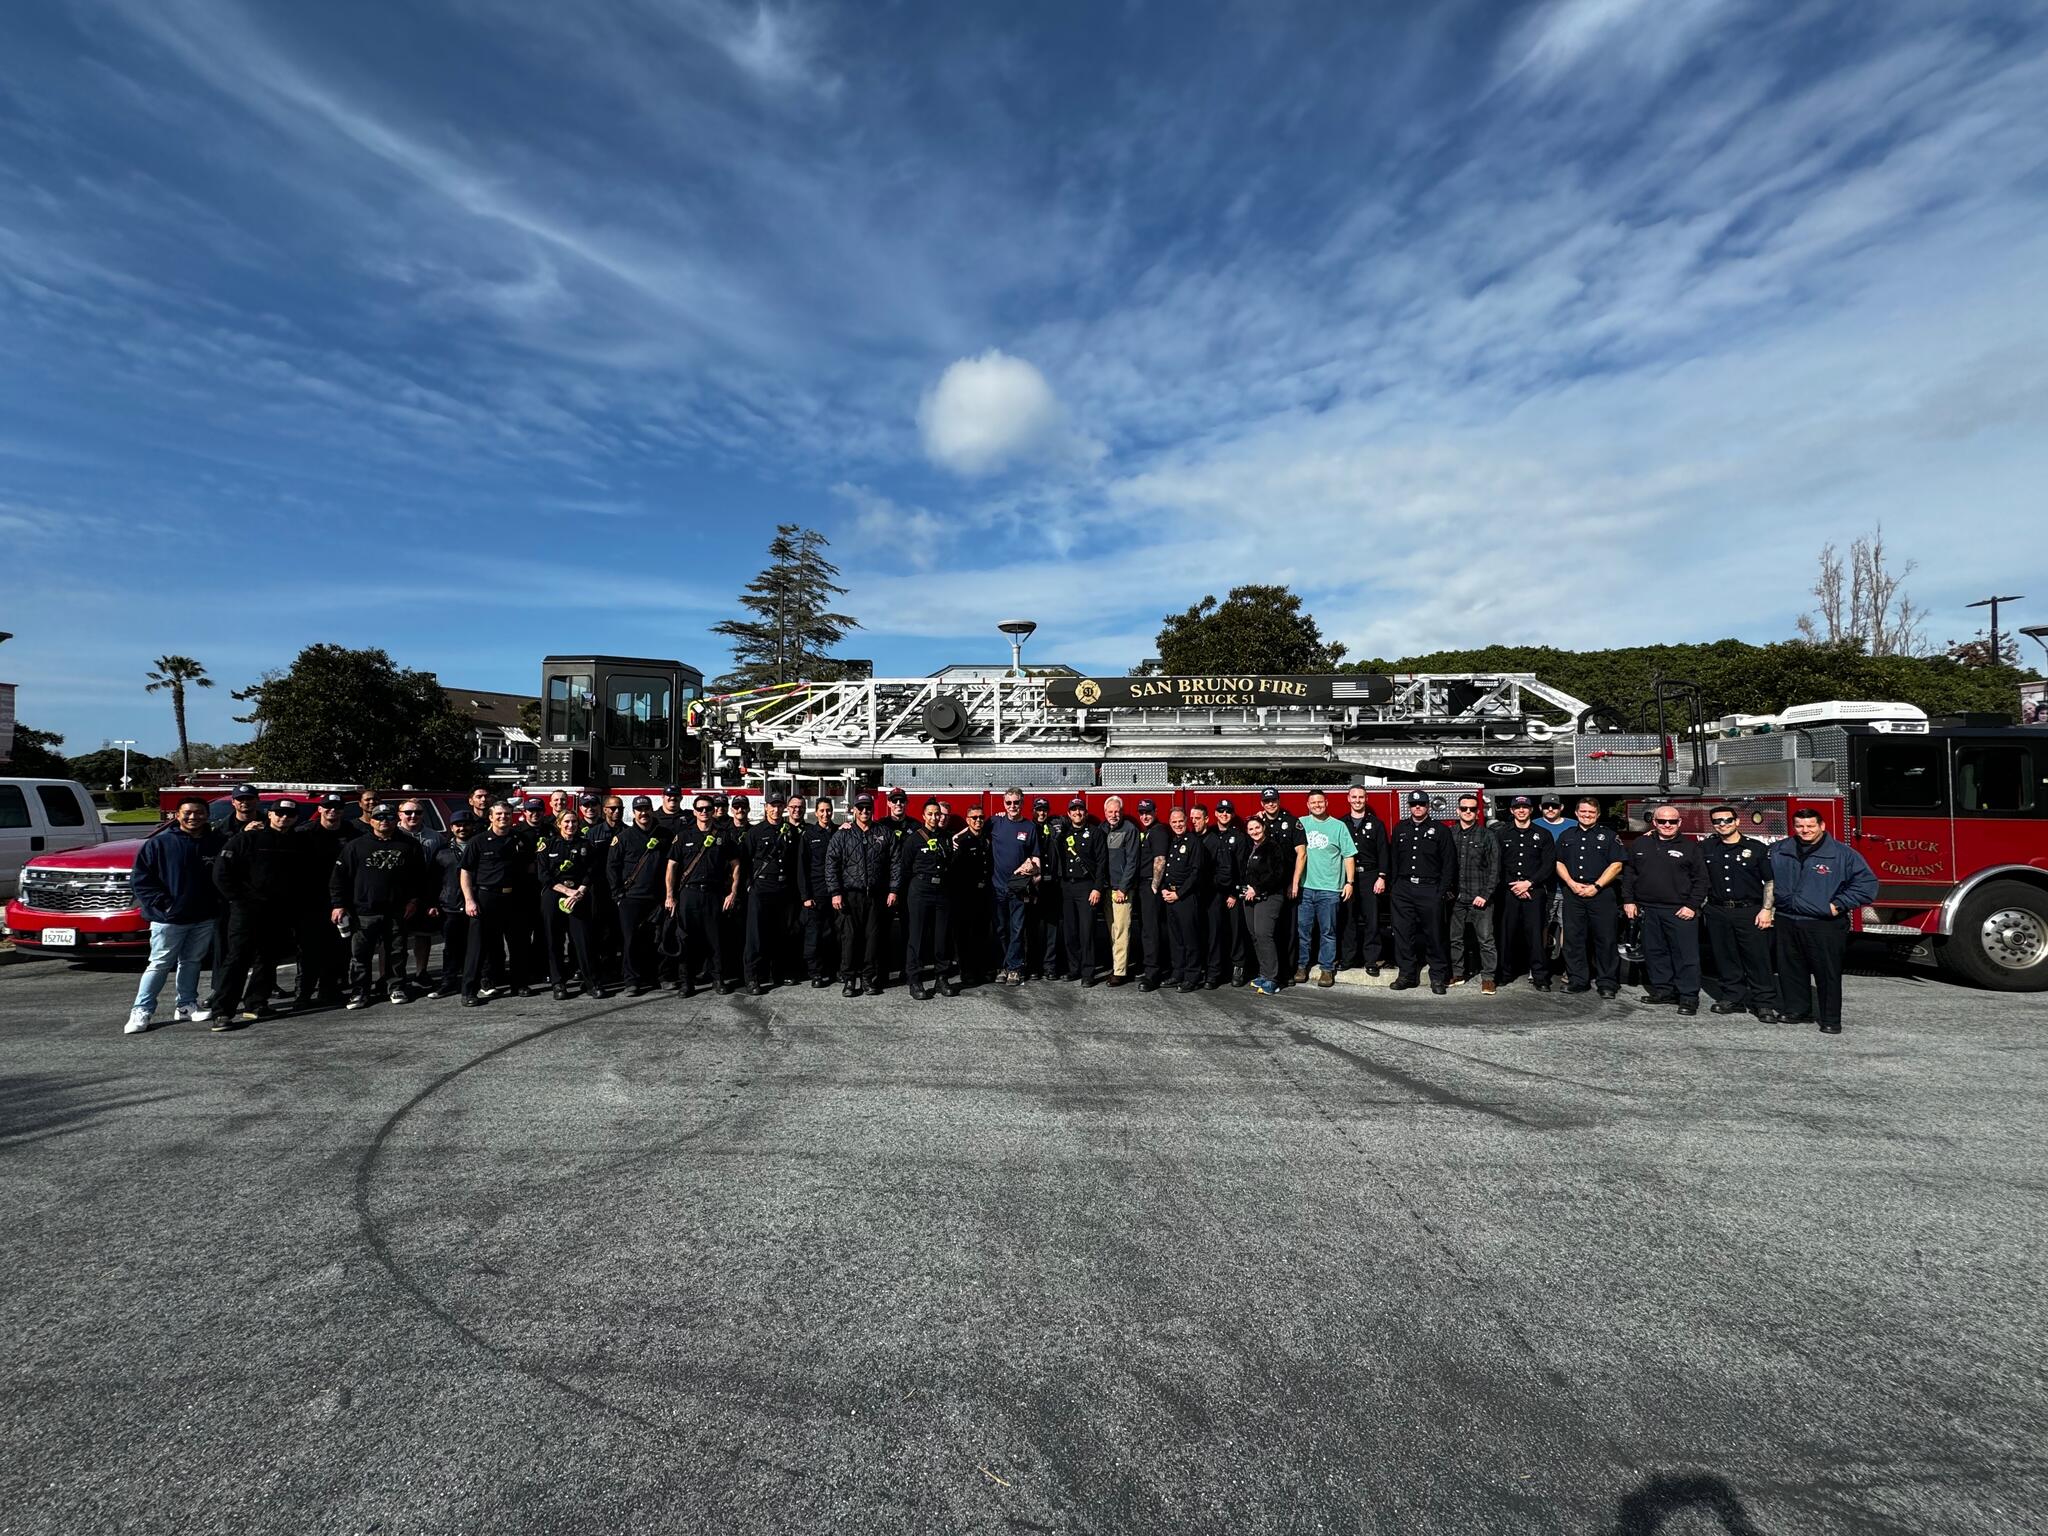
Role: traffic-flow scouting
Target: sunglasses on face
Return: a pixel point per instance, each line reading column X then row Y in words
column 1724, row 821
column 1666, row 821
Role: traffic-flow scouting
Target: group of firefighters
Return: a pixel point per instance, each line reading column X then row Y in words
column 600, row 892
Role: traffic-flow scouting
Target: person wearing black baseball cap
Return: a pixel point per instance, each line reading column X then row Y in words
column 1528, row 865
column 1154, row 842
column 637, row 873
column 259, row 873
column 1283, row 830
column 323, row 956
column 1081, row 865
column 375, row 888
column 770, row 854
column 1422, row 873
column 1045, row 897
column 821, row 935
column 669, row 814
column 896, row 822
column 704, row 875
column 860, row 872
column 445, row 874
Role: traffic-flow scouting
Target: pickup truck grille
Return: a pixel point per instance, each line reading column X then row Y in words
column 51, row 891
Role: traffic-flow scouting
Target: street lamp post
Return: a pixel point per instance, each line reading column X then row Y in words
column 124, row 746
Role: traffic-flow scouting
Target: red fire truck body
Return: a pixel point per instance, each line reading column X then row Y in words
column 1952, row 819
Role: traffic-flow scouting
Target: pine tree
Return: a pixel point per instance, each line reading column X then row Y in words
column 790, row 636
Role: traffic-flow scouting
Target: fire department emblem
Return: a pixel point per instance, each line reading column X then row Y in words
column 1088, row 691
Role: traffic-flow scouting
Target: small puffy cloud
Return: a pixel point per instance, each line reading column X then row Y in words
column 993, row 410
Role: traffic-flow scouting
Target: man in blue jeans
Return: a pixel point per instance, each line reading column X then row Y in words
column 173, row 882
column 1013, row 844
column 1325, row 860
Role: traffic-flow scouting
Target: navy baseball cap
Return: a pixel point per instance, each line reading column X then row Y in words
column 1079, row 802
column 1521, row 800
column 642, row 803
column 244, row 792
column 1417, row 797
column 1041, row 805
column 1147, row 808
column 897, row 795
column 672, row 790
column 586, row 800
column 1225, row 805
column 461, row 819
column 332, row 799
column 778, row 799
column 863, row 802
column 1269, row 793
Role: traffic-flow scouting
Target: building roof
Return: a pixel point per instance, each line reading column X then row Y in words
column 498, row 709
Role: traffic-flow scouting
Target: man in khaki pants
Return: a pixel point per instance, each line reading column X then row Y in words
column 1123, row 839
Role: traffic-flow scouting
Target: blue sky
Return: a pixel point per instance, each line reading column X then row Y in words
column 485, row 328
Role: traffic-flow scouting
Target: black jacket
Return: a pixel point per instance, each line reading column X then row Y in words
column 1527, row 853
column 323, row 852
column 1079, row 855
column 771, row 856
column 974, row 863
column 261, row 867
column 1423, row 852
column 857, row 861
column 810, row 861
column 566, row 861
column 447, row 876
column 706, row 858
column 1664, row 872
column 638, row 864
column 1154, row 842
column 1228, row 848
column 1370, row 834
column 924, row 861
column 1267, row 868
column 378, row 876
column 1187, row 865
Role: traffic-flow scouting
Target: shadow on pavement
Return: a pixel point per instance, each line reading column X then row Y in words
column 36, row 1107
column 1643, row 1511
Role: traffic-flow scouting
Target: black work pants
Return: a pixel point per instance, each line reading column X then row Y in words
column 1810, row 953
column 863, row 920
column 1263, row 918
column 821, row 939
column 257, row 937
column 1077, row 930
column 1671, row 952
column 974, row 933
column 1417, row 916
column 700, row 919
column 1152, row 912
column 454, row 946
column 927, row 924
column 603, row 917
column 1518, row 929
column 1742, row 955
column 571, row 932
column 518, row 925
column 378, row 937
column 1045, row 921
column 638, row 916
column 488, row 961
column 768, row 935
column 323, row 958
column 1358, row 924
column 1223, row 922
column 1184, row 927
column 1592, row 927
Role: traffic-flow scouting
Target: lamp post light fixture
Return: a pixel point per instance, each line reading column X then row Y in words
column 124, row 746
column 1019, row 630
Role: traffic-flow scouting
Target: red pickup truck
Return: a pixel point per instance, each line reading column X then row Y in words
column 80, row 905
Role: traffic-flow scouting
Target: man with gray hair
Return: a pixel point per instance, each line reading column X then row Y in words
column 1121, row 839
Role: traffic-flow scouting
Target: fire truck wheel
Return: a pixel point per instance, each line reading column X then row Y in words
column 2001, row 938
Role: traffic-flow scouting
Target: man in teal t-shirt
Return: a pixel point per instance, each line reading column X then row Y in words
column 1324, row 862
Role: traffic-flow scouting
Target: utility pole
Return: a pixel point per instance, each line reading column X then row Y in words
column 1992, row 603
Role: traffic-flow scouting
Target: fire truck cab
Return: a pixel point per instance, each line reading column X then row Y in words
column 616, row 720
column 1951, row 815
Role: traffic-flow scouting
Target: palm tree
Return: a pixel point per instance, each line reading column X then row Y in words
column 177, row 673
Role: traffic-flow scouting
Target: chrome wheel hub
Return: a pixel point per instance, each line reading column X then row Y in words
column 2014, row 938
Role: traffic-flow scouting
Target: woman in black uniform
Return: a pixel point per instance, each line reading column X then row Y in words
column 567, row 869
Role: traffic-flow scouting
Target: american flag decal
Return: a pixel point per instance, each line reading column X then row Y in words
column 1345, row 688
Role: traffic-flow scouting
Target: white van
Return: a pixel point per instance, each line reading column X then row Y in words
column 42, row 816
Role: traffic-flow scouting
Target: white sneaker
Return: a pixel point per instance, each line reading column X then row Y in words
column 138, row 1021
column 181, row 1014
column 200, row 1015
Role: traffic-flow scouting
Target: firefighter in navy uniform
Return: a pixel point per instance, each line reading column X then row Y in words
column 703, row 891
column 1183, row 884
column 1588, row 865
column 258, row 875
column 924, row 869
column 1044, row 920
column 604, row 822
column 1358, row 920
column 637, row 874
column 821, row 936
column 1155, row 840
column 323, row 955
column 772, row 853
column 859, row 875
column 1664, row 885
column 670, row 815
column 488, row 893
column 1528, row 865
column 971, row 884
column 1283, row 828
column 897, row 825
column 569, row 869
column 1738, row 916
column 1230, row 946
column 1081, row 865
column 1422, row 871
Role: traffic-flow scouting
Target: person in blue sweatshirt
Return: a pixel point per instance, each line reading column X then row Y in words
column 1817, row 882
column 173, row 883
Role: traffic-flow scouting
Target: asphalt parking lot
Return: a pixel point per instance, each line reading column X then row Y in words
column 1034, row 1260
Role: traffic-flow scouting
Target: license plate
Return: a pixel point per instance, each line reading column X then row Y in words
column 60, row 938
